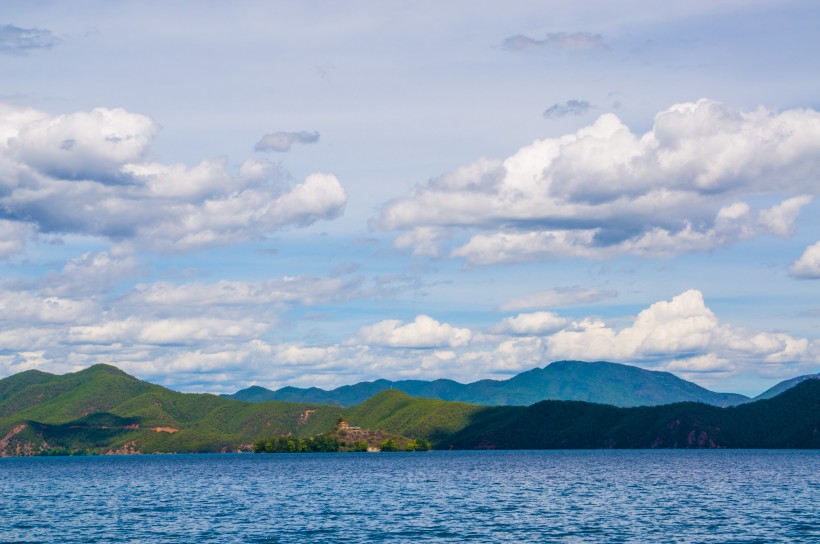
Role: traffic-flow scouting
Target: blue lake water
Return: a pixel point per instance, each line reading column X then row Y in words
column 530, row 496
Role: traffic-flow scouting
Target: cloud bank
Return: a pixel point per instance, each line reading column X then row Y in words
column 605, row 191
column 86, row 173
column 201, row 336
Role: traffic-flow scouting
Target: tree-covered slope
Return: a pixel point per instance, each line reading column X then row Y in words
column 396, row 412
column 785, row 385
column 790, row 420
column 601, row 382
column 104, row 409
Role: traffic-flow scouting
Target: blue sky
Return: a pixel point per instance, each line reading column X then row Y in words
column 214, row 195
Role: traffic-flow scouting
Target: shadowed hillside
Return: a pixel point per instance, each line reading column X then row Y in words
column 790, row 420
column 785, row 385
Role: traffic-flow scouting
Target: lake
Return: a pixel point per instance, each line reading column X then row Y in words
column 481, row 496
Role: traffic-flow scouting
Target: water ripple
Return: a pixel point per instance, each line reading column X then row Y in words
column 571, row 497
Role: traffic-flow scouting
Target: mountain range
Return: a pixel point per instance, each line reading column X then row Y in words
column 601, row 382
column 102, row 409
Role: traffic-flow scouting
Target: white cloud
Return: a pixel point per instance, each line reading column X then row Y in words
column 13, row 237
column 192, row 331
column 303, row 290
column 90, row 274
column 605, row 191
column 206, row 179
column 808, row 265
column 701, row 363
column 682, row 328
column 422, row 240
column 532, row 324
column 172, row 345
column 682, row 325
column 21, row 307
column 554, row 298
column 424, row 332
column 83, row 173
column 293, row 354
column 507, row 357
column 83, row 145
column 780, row 219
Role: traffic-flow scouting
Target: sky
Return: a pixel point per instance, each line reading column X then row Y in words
column 215, row 195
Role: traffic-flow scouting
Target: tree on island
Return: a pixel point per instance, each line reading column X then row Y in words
column 419, row 444
column 322, row 443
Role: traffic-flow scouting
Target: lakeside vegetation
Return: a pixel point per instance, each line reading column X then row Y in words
column 330, row 443
column 102, row 410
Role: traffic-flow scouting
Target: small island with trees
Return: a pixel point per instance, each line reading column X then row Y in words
column 343, row 438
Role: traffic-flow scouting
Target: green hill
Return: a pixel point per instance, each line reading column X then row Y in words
column 601, row 382
column 396, row 412
column 104, row 409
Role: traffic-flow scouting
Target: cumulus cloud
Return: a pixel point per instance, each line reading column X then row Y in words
column 283, row 141
column 555, row 298
column 706, row 364
column 808, row 265
column 532, row 324
column 681, row 328
column 605, row 191
column 570, row 107
column 83, row 145
column 424, row 332
column 84, row 173
column 575, row 41
column 17, row 41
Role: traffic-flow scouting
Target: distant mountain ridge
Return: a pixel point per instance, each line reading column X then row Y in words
column 600, row 382
column 785, row 385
